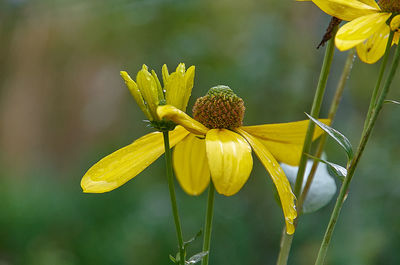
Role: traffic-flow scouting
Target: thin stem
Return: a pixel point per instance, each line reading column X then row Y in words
column 332, row 113
column 286, row 240
column 170, row 178
column 315, row 109
column 208, row 224
column 378, row 82
column 286, row 243
column 352, row 167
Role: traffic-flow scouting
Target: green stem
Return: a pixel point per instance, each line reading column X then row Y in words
column 208, row 224
column 352, row 166
column 286, row 243
column 286, row 239
column 315, row 109
column 170, row 178
column 378, row 82
column 332, row 113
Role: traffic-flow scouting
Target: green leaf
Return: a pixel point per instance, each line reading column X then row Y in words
column 339, row 171
column 173, row 259
column 193, row 238
column 196, row 258
column 336, row 135
column 392, row 101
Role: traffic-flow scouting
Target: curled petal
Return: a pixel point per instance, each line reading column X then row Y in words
column 119, row 167
column 289, row 133
column 371, row 50
column 179, row 117
column 178, row 86
column 278, row 177
column 395, row 23
column 347, row 9
column 148, row 88
column 360, row 29
column 190, row 164
column 135, row 93
column 229, row 159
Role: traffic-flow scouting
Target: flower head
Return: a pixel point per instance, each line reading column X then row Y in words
column 220, row 151
column 368, row 29
column 149, row 94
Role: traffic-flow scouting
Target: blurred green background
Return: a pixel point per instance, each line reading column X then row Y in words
column 63, row 106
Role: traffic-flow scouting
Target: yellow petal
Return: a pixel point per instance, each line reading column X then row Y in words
column 136, row 93
column 229, row 159
column 360, row 29
column 190, row 164
column 177, row 87
column 278, row 177
column 395, row 23
column 290, row 133
column 117, row 168
column 179, row 117
column 347, row 9
column 396, row 38
column 165, row 74
column 189, row 78
column 148, row 88
column 371, row 50
column 287, row 153
column 159, row 88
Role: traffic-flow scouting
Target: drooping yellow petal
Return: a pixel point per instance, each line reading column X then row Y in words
column 347, row 9
column 117, row 168
column 290, row 133
column 396, row 38
column 133, row 88
column 190, row 164
column 229, row 159
column 278, row 177
column 178, row 87
column 395, row 23
column 371, row 50
column 360, row 29
column 179, row 117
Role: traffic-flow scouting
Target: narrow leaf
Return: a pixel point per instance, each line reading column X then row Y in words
column 173, row 259
column 339, row 171
column 336, row 135
column 392, row 101
column 196, row 258
column 193, row 238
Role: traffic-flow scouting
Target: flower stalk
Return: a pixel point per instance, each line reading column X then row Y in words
column 370, row 122
column 168, row 162
column 331, row 115
column 286, row 240
column 208, row 224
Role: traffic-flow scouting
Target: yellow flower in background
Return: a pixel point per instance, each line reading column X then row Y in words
column 368, row 29
column 220, row 148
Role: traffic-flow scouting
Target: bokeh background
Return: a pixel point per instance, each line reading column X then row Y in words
column 63, row 106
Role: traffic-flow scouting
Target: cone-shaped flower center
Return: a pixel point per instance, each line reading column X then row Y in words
column 390, row 5
column 219, row 108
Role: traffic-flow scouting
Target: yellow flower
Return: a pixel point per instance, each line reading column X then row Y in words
column 367, row 30
column 149, row 94
column 221, row 151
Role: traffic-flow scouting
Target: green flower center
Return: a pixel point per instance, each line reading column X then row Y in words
column 220, row 108
column 392, row 6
